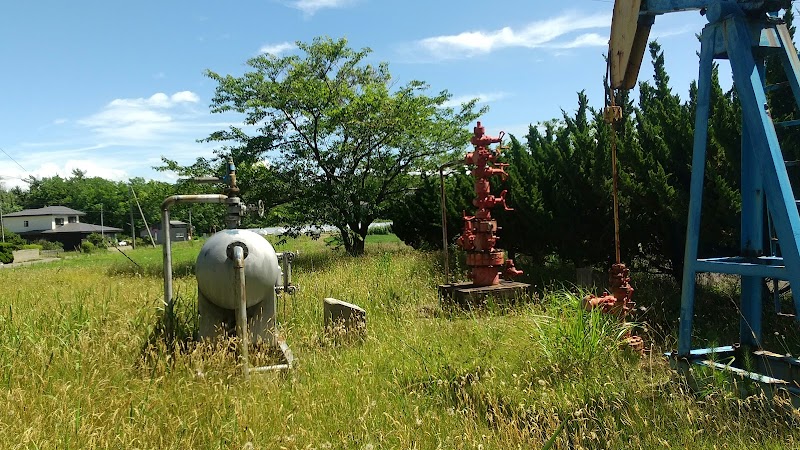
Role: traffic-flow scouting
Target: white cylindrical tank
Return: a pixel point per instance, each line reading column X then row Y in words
column 214, row 270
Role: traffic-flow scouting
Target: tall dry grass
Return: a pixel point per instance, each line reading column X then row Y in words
column 81, row 366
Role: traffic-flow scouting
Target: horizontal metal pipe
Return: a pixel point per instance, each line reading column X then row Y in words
column 194, row 198
column 269, row 368
column 203, row 180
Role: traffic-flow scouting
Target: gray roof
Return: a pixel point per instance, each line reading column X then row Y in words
column 172, row 223
column 82, row 228
column 47, row 211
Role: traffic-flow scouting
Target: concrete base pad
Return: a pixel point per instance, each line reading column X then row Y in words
column 467, row 294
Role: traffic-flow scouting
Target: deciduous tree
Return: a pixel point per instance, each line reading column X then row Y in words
column 343, row 141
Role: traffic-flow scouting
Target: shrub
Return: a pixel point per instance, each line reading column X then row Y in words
column 380, row 228
column 417, row 216
column 31, row 247
column 7, row 252
column 49, row 245
column 97, row 240
column 13, row 239
column 87, row 247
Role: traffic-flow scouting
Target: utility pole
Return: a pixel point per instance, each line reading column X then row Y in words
column 190, row 224
column 2, row 225
column 133, row 228
column 149, row 233
column 102, row 227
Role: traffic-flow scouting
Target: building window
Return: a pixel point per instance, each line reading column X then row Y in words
column 26, row 224
column 59, row 221
column 179, row 235
column 73, row 219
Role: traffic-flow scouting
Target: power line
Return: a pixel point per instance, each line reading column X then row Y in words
column 15, row 161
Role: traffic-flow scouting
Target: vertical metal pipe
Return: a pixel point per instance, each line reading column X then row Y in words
column 445, row 244
column 444, row 226
column 286, row 269
column 169, row 310
column 240, row 292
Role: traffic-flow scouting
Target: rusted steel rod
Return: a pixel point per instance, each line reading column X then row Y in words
column 445, row 244
column 615, row 177
column 614, row 114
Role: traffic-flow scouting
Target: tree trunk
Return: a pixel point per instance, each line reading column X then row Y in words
column 352, row 241
column 358, row 246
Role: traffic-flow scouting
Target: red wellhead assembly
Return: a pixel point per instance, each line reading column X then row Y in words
column 478, row 237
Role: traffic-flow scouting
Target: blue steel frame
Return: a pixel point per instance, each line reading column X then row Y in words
column 741, row 39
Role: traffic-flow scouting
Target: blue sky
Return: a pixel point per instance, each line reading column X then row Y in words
column 109, row 87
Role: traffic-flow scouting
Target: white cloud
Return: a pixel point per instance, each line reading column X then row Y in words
column 660, row 34
column 540, row 34
column 184, row 97
column 110, row 161
column 63, row 162
column 93, row 168
column 309, row 7
column 482, row 98
column 137, row 119
column 276, row 49
column 125, row 138
column 584, row 40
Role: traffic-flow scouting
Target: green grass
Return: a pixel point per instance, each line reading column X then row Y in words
column 382, row 239
column 79, row 368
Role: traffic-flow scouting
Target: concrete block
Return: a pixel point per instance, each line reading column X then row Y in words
column 26, row 255
column 343, row 316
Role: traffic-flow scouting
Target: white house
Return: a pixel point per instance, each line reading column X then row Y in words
column 54, row 223
column 40, row 219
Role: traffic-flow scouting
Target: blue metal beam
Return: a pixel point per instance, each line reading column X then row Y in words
column 752, row 233
column 696, row 188
column 668, row 6
column 791, row 62
column 746, row 269
column 780, row 198
column 716, row 8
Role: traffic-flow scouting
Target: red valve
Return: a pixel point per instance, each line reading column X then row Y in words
column 618, row 302
column 478, row 237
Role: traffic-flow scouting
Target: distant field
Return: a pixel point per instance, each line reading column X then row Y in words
column 82, row 366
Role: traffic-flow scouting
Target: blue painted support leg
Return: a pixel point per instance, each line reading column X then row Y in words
column 791, row 65
column 767, row 151
column 752, row 239
column 696, row 189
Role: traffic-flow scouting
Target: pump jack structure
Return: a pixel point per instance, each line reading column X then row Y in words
column 745, row 32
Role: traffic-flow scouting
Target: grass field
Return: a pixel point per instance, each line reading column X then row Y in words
column 81, row 366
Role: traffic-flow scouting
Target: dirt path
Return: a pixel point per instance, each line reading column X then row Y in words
column 28, row 263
